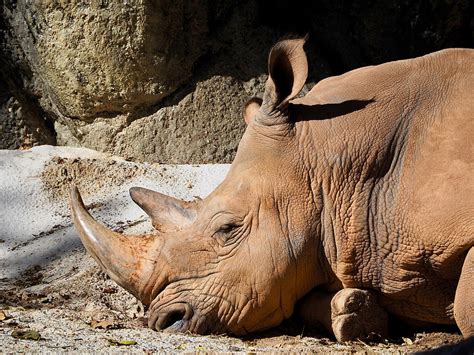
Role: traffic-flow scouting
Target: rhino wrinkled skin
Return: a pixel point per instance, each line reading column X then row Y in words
column 347, row 205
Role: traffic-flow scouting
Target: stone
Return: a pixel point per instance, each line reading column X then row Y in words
column 108, row 57
column 205, row 126
column 21, row 126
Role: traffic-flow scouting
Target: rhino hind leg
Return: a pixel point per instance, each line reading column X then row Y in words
column 464, row 298
column 349, row 314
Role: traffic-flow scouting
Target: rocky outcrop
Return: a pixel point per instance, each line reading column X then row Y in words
column 165, row 81
column 108, row 57
column 204, row 126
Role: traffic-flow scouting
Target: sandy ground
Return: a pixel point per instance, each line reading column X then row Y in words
column 88, row 313
column 52, row 291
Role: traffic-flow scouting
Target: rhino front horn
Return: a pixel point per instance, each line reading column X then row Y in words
column 126, row 259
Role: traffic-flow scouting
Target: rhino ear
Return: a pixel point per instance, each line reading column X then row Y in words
column 288, row 70
column 166, row 212
column 251, row 109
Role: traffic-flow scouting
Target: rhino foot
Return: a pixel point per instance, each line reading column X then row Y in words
column 349, row 314
column 356, row 314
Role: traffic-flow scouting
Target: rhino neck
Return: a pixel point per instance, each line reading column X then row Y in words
column 355, row 176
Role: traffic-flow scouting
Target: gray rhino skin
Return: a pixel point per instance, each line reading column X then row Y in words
column 355, row 200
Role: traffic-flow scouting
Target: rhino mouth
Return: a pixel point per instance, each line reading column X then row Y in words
column 172, row 318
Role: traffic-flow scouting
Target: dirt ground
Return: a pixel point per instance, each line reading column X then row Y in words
column 83, row 310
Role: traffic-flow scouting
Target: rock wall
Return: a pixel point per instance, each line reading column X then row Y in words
column 165, row 81
column 107, row 57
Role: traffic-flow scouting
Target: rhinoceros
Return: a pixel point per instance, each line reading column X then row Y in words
column 349, row 205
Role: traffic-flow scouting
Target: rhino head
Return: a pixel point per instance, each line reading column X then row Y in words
column 238, row 260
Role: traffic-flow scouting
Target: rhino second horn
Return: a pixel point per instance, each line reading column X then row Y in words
column 166, row 212
column 123, row 258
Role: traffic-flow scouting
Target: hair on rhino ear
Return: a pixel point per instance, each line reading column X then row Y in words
column 287, row 73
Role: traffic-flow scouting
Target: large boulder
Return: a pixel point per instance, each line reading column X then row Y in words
column 108, row 57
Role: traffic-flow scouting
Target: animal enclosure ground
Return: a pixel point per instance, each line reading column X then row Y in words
column 86, row 311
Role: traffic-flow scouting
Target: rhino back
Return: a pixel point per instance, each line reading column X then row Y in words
column 410, row 210
column 421, row 114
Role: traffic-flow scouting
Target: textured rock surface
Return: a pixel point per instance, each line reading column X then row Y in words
column 148, row 78
column 106, row 56
column 21, row 125
column 205, row 126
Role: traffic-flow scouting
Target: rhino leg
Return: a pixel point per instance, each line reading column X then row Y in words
column 349, row 313
column 464, row 298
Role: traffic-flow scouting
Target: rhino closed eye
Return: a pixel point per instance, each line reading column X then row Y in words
column 227, row 233
column 227, row 228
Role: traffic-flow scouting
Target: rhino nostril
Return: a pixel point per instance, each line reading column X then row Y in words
column 174, row 319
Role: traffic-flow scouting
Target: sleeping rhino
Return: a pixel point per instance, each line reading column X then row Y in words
column 348, row 206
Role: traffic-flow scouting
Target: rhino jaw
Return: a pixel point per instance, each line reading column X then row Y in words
column 126, row 259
